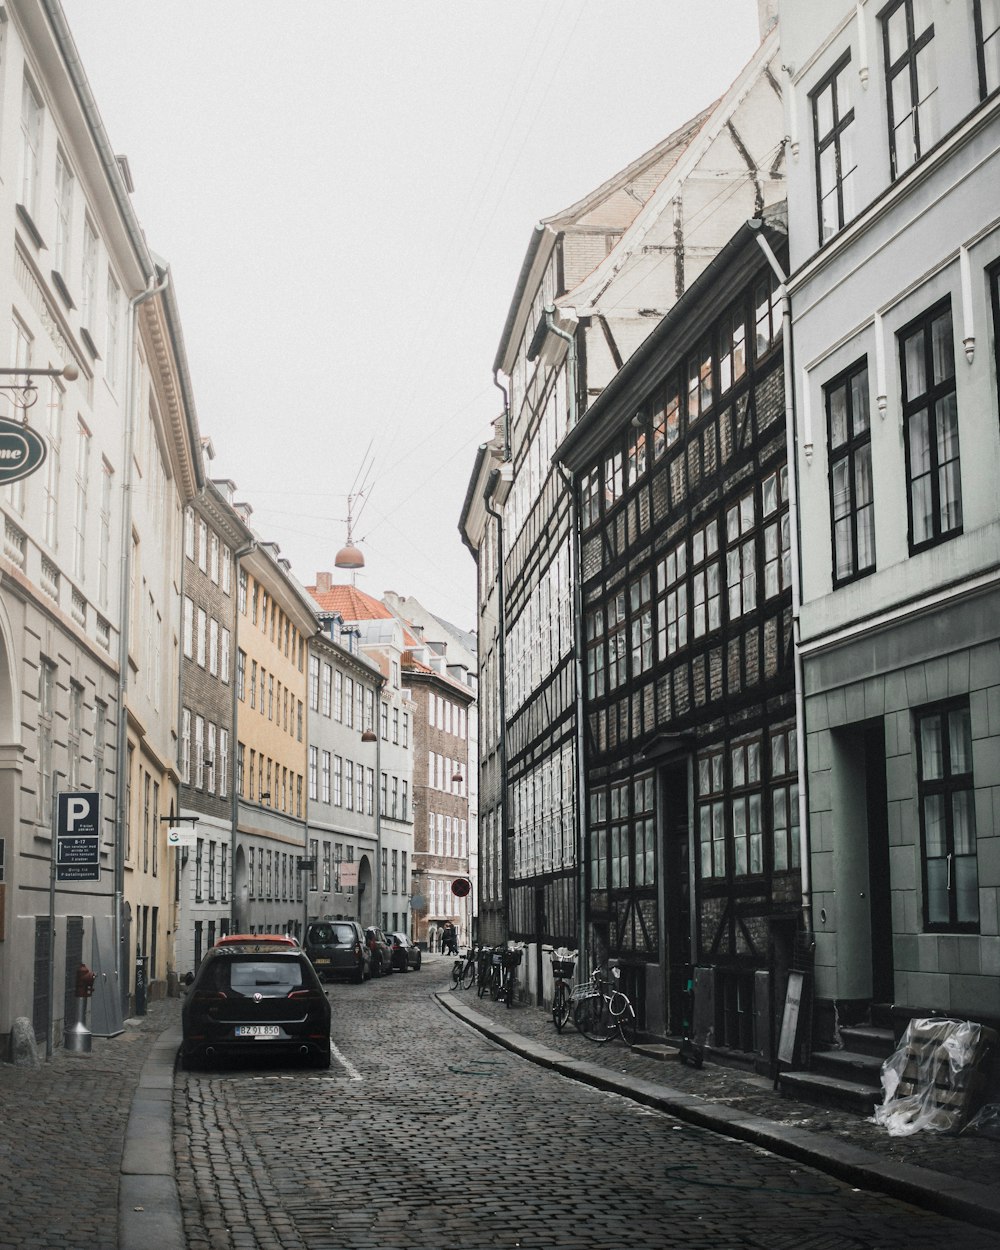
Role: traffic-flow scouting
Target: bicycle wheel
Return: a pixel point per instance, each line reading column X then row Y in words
column 456, row 975
column 508, row 988
column 592, row 1018
column 484, row 984
column 626, row 1024
column 560, row 1006
column 496, row 983
column 469, row 975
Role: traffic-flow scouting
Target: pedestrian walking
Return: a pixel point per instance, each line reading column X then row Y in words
column 449, row 939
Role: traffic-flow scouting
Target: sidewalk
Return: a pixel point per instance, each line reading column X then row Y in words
column 86, row 1148
column 953, row 1175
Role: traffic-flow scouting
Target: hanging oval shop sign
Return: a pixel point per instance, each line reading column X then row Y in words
column 22, row 451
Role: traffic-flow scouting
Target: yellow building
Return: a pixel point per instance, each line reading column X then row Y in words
column 274, row 620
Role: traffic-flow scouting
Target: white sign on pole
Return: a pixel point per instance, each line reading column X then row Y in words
column 182, row 835
column 348, row 876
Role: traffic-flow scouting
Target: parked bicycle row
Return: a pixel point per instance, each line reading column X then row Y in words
column 598, row 1007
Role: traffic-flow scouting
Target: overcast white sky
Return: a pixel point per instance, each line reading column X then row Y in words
column 345, row 190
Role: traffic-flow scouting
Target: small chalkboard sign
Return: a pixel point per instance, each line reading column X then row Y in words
column 790, row 1018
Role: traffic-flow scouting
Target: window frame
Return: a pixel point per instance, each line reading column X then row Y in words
column 906, row 63
column 853, row 444
column 947, row 785
column 840, row 124
column 985, row 91
column 928, row 400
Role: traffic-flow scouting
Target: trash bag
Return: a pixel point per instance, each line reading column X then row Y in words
column 986, row 1121
column 933, row 1080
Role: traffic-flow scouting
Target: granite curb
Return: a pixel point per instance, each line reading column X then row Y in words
column 149, row 1208
column 936, row 1191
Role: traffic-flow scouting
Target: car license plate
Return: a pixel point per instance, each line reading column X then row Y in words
column 258, row 1030
column 321, row 961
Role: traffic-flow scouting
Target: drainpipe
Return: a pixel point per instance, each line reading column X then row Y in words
column 488, row 493
column 571, row 363
column 793, row 525
column 578, row 666
column 234, row 812
column 581, row 784
column 506, row 415
column 124, row 625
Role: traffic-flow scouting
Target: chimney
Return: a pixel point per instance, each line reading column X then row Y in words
column 767, row 17
column 324, row 582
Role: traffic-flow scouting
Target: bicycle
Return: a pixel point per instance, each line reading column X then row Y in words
column 463, row 972
column 602, row 1010
column 563, row 965
column 510, row 959
column 484, row 971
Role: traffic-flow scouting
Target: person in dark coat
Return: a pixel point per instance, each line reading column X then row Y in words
column 449, row 939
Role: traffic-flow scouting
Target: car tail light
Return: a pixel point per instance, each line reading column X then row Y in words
column 209, row 996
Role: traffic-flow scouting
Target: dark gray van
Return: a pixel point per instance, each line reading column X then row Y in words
column 337, row 948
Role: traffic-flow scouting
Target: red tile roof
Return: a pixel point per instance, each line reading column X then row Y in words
column 351, row 603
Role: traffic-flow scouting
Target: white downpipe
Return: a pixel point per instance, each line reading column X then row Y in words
column 124, row 622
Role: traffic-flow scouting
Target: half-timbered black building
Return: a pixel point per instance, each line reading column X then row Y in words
column 682, row 502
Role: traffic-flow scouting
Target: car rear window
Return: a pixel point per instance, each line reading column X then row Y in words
column 332, row 934
column 260, row 976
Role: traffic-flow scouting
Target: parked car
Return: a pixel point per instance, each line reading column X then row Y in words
column 338, row 948
column 254, row 999
column 260, row 939
column 405, row 954
column 381, row 951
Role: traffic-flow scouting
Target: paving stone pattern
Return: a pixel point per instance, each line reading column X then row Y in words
column 62, row 1127
column 432, row 1137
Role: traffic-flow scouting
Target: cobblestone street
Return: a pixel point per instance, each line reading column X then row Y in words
column 447, row 1140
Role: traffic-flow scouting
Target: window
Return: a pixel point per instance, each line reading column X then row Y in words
column 314, row 683
column 223, row 762
column 104, row 547
column 641, row 608
column 31, row 146
column 327, row 691
column 325, row 777
column 748, row 837
column 210, row 738
column 226, row 567
column 80, row 505
column 767, row 315
column 636, row 463
column 241, row 592
column 595, row 653
column 911, row 81
column 185, row 760
column 213, row 647
column 930, row 416
column 599, row 840
column 711, row 815
column 224, row 657
column 618, row 847
column 699, row 384
column 784, row 799
column 612, row 480
column 54, row 423
column 590, row 499
column 349, row 702
column 617, row 641
column 851, row 506
column 732, row 348
column 199, row 751
column 833, row 121
column 64, row 213
column 987, row 14
column 948, row 818
column 741, row 571
column 666, row 418
column 349, row 785
column 111, row 346
column 706, row 592
column 644, row 829
column 88, row 276
column 188, row 627
column 201, row 637
column 777, row 534
column 671, row 608
column 314, row 772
